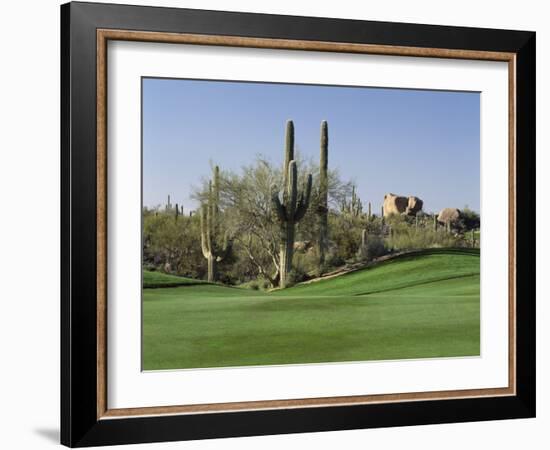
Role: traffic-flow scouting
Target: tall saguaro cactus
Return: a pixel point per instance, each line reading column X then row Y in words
column 214, row 247
column 292, row 208
column 323, row 194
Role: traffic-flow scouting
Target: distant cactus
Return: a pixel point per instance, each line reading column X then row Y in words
column 292, row 208
column 177, row 212
column 214, row 247
column 323, row 194
column 354, row 207
column 369, row 212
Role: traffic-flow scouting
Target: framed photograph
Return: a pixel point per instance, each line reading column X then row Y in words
column 277, row 224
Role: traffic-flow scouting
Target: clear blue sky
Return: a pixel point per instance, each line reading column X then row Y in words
column 408, row 142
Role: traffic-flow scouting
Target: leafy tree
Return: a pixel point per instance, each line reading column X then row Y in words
column 246, row 198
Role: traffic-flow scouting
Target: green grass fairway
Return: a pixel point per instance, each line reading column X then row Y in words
column 420, row 306
column 159, row 279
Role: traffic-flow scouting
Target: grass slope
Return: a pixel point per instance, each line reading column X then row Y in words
column 411, row 307
column 159, row 279
column 405, row 271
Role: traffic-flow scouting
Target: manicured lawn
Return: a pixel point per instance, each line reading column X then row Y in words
column 414, row 307
column 159, row 279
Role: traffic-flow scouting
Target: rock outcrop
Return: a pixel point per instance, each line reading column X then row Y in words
column 414, row 206
column 302, row 246
column 396, row 204
column 447, row 215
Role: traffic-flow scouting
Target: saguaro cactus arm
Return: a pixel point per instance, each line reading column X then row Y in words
column 289, row 155
column 223, row 251
column 205, row 244
column 303, row 203
column 292, row 188
column 278, row 206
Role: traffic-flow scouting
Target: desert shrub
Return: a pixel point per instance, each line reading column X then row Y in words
column 253, row 285
column 374, row 226
column 469, row 220
column 149, row 267
column 173, row 244
column 334, row 260
column 345, row 234
column 410, row 238
column 259, row 284
column 296, row 275
column 375, row 247
column 306, row 263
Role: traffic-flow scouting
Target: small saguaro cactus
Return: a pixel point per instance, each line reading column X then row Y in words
column 323, row 194
column 363, row 249
column 291, row 208
column 177, row 212
column 435, row 222
column 354, row 208
column 214, row 247
column 369, row 215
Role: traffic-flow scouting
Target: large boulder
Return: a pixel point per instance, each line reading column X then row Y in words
column 394, row 204
column 397, row 204
column 447, row 215
column 302, row 246
column 414, row 206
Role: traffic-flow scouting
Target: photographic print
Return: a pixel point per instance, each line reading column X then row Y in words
column 299, row 224
column 272, row 224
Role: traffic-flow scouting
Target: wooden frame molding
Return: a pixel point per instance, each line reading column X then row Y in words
column 103, row 36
